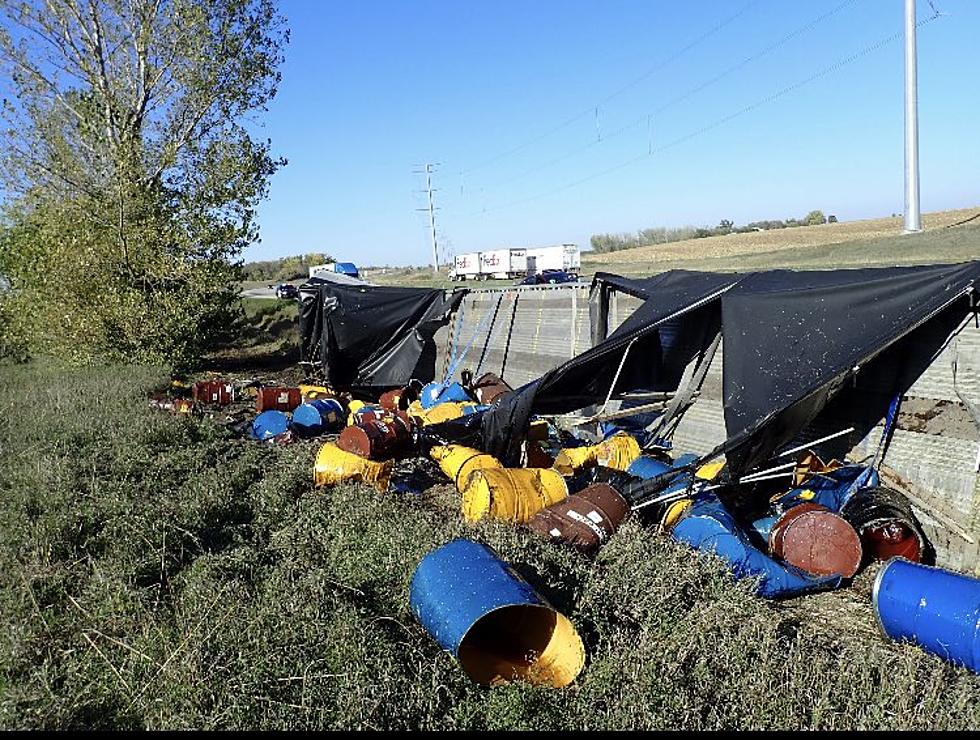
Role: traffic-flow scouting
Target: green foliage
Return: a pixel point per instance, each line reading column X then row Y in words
column 131, row 180
column 602, row 243
column 160, row 573
column 284, row 269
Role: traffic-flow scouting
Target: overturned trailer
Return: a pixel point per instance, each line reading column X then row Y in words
column 879, row 364
column 883, row 361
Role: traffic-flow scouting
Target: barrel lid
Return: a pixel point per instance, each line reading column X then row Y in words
column 821, row 543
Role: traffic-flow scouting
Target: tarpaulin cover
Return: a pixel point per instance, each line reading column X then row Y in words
column 654, row 362
column 372, row 336
column 793, row 338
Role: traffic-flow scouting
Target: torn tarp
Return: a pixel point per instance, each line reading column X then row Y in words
column 674, row 324
column 372, row 336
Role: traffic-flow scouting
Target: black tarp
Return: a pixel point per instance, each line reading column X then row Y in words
column 372, row 337
column 669, row 330
column 792, row 339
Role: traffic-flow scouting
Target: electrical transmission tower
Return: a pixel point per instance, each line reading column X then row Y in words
column 428, row 171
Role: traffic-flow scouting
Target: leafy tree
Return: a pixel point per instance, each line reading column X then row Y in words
column 130, row 179
column 815, row 218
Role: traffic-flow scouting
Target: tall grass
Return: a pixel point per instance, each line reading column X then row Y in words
column 160, row 573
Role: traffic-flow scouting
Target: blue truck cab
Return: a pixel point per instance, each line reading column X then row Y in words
column 346, row 268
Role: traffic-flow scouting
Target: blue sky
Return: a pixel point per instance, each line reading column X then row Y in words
column 371, row 89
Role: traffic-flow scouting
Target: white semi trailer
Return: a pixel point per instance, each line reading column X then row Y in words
column 507, row 264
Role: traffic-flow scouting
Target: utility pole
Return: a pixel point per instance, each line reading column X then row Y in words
column 913, row 215
column 429, row 169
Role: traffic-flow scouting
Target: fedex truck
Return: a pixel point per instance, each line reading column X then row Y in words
column 507, row 264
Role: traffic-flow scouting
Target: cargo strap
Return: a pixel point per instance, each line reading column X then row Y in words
column 458, row 358
column 664, row 426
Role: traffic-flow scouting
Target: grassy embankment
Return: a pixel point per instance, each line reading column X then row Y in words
column 159, row 572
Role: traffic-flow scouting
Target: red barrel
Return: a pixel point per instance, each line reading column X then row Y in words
column 488, row 387
column 390, row 399
column 379, row 439
column 216, row 392
column 275, row 398
column 584, row 520
column 817, row 541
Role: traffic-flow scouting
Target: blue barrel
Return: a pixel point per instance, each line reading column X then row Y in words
column 320, row 415
column 269, row 424
column 647, row 467
column 498, row 627
column 934, row 608
column 436, row 393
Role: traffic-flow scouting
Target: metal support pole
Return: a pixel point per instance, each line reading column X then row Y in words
column 913, row 215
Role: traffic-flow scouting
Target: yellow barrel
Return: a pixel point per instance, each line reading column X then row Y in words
column 513, row 495
column 709, row 471
column 617, row 452
column 674, row 513
column 334, row 465
column 315, row 391
column 352, row 408
column 440, row 413
column 458, row 462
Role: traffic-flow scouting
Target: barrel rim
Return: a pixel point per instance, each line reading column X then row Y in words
column 875, row 588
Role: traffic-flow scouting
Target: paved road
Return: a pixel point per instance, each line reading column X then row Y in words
column 259, row 293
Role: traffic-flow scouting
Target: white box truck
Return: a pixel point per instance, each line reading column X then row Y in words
column 562, row 257
column 466, row 267
column 503, row 264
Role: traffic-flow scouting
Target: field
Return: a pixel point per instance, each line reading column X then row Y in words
column 847, row 244
column 163, row 572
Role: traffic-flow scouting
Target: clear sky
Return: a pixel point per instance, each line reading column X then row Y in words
column 534, row 109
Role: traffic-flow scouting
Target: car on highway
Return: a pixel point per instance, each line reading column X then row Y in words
column 287, row 290
column 549, row 277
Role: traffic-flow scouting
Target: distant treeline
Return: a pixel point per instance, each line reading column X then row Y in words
column 285, row 268
column 663, row 235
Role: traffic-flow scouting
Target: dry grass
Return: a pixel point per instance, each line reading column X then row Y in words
column 763, row 242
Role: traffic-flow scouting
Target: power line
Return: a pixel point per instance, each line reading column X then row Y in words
column 646, row 118
column 717, row 123
column 429, row 169
column 593, row 109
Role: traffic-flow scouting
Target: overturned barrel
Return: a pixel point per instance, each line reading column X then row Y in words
column 269, row 424
column 817, row 541
column 496, row 625
column 436, row 393
column 513, row 495
column 888, row 527
column 275, row 398
column 333, row 465
column 379, row 439
column 317, row 416
column 584, row 520
column 617, row 452
column 457, row 462
column 934, row 608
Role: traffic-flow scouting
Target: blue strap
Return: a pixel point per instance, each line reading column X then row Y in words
column 458, row 360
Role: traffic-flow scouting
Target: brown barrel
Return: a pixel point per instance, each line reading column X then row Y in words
column 817, row 541
column 390, row 399
column 276, row 398
column 217, row 392
column 537, row 457
column 886, row 524
column 584, row 520
column 489, row 387
column 379, row 439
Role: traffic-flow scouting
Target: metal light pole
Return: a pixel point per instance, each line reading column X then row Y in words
column 913, row 215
